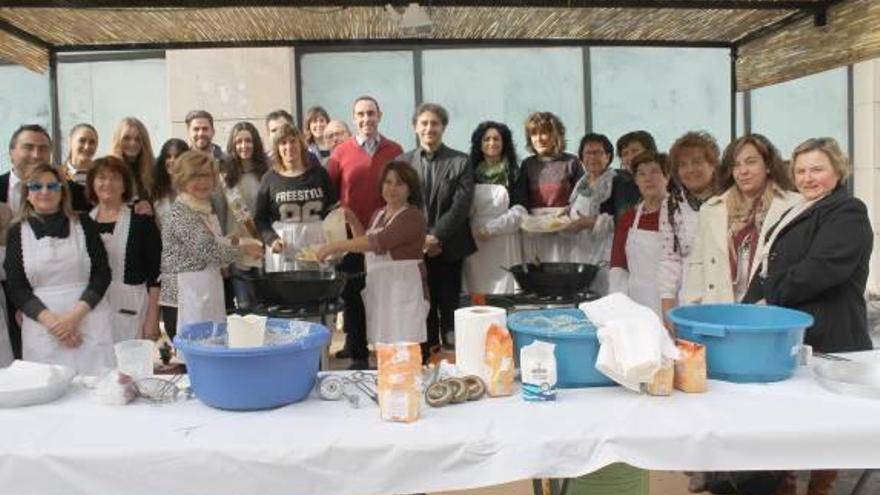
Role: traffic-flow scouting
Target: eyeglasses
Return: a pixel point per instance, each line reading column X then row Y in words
column 39, row 186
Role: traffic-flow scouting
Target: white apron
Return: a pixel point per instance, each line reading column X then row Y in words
column 296, row 236
column 6, row 356
column 590, row 245
column 482, row 270
column 128, row 303
column 394, row 298
column 58, row 270
column 549, row 247
column 643, row 249
column 200, row 294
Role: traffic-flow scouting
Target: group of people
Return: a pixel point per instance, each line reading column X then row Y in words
column 99, row 250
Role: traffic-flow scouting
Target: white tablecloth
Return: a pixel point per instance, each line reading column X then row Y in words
column 75, row 446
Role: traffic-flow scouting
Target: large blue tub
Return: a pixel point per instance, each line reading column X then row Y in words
column 252, row 378
column 745, row 342
column 576, row 343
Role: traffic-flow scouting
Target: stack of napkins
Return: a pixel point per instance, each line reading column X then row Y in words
column 634, row 344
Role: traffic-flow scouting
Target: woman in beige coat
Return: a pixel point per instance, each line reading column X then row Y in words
column 732, row 226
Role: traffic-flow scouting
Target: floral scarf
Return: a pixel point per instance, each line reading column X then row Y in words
column 494, row 173
column 744, row 221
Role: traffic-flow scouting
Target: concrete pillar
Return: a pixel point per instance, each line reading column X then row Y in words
column 234, row 84
column 866, row 157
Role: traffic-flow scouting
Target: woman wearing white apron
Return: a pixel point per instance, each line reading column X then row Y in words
column 637, row 241
column 194, row 249
column 293, row 198
column 57, row 274
column 592, row 225
column 544, row 185
column 494, row 221
column 395, row 297
column 134, row 249
column 693, row 159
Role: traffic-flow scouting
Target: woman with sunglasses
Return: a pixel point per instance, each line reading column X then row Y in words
column 57, row 273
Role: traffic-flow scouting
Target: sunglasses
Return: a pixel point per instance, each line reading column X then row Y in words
column 39, row 186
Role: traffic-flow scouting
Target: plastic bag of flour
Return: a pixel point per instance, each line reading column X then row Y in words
column 538, row 367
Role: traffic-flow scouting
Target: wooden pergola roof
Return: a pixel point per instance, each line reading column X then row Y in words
column 771, row 40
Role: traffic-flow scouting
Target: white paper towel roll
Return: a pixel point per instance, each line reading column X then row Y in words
column 471, row 325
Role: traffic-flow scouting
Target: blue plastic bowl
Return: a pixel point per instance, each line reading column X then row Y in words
column 576, row 346
column 745, row 343
column 252, row 378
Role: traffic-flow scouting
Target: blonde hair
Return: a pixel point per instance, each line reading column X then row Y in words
column 284, row 133
column 192, row 164
column 829, row 146
column 26, row 210
column 145, row 159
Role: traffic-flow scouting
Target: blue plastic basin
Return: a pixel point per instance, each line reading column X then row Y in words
column 745, row 343
column 576, row 345
column 252, row 378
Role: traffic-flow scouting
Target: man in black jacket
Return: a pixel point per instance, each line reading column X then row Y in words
column 448, row 188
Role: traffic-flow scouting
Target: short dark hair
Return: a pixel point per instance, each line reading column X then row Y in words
column 602, row 139
column 112, row 164
column 28, row 128
column 434, row 108
column 198, row 114
column 642, row 137
column 279, row 114
column 366, row 98
column 661, row 159
column 409, row 176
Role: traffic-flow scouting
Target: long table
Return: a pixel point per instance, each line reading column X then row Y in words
column 77, row 446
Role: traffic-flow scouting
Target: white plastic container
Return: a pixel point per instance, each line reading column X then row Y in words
column 135, row 357
column 245, row 331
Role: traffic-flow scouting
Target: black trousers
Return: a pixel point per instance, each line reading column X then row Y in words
column 169, row 319
column 354, row 315
column 444, row 284
column 12, row 325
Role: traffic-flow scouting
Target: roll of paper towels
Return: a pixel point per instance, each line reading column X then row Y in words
column 471, row 324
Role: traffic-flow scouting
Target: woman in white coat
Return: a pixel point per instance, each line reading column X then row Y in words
column 591, row 211
column 134, row 250
column 194, row 249
column 637, row 240
column 495, row 223
column 396, row 293
column 57, row 273
column 693, row 159
column 732, row 226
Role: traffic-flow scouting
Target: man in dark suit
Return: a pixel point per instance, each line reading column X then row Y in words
column 448, row 188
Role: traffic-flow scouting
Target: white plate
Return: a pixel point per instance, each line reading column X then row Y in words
column 25, row 384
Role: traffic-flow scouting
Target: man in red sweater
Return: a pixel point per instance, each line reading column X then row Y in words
column 355, row 167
